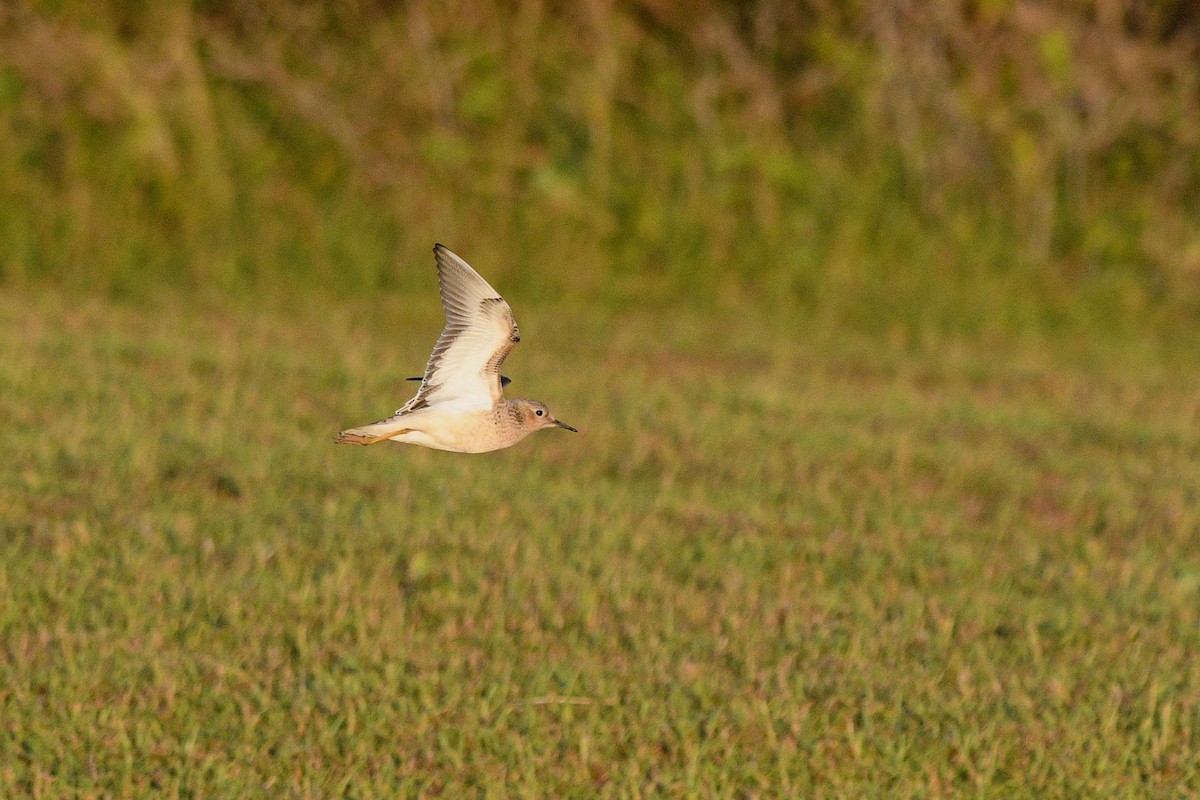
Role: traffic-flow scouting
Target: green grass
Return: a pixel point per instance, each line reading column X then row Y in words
column 773, row 564
column 881, row 340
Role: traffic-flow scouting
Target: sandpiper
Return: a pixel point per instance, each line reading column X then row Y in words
column 460, row 405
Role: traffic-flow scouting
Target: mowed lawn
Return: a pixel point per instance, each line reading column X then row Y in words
column 775, row 562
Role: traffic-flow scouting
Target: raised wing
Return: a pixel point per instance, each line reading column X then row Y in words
column 480, row 332
column 504, row 380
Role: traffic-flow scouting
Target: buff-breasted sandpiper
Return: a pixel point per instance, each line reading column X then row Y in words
column 460, row 405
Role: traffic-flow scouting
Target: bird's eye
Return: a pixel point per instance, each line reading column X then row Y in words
column 538, row 412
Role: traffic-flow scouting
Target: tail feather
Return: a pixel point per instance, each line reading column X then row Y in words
column 372, row 434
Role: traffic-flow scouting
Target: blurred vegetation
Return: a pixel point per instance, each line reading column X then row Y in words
column 972, row 167
column 932, row 558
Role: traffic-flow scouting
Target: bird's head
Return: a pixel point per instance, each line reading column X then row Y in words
column 535, row 416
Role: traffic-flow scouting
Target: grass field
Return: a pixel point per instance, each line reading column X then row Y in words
column 879, row 323
column 774, row 562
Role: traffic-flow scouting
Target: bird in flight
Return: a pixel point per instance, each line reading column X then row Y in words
column 460, row 404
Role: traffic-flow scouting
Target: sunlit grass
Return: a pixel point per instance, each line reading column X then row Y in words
column 773, row 563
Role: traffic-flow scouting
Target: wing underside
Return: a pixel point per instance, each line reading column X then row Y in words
column 480, row 332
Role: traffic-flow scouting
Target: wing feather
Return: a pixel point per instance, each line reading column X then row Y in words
column 480, row 332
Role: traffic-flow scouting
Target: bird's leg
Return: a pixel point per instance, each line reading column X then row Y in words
column 354, row 436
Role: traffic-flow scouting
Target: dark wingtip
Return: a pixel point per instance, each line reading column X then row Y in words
column 504, row 380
